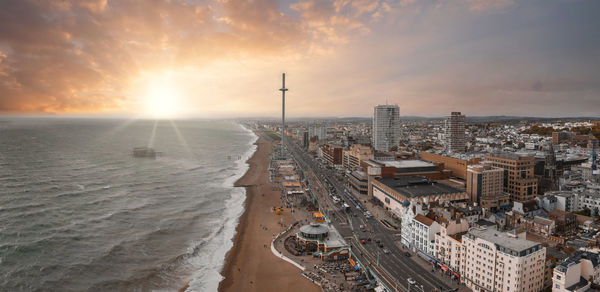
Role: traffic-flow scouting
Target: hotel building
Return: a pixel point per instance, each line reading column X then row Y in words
column 501, row 261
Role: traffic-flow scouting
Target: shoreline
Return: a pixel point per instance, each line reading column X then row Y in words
column 250, row 265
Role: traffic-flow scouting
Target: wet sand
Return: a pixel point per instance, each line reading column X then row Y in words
column 250, row 265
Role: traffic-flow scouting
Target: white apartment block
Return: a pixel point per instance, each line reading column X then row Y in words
column 565, row 200
column 408, row 211
column 455, row 132
column 423, row 234
column 499, row 261
column 589, row 200
column 386, row 127
column 575, row 272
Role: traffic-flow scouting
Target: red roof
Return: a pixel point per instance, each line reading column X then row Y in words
column 424, row 220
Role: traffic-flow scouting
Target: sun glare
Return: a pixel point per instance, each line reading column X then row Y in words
column 161, row 98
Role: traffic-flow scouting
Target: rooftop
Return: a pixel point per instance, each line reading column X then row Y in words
column 405, row 163
column 594, row 258
column 426, row 221
column 414, row 186
column 504, row 242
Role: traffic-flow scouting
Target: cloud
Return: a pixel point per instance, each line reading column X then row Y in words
column 342, row 56
column 63, row 56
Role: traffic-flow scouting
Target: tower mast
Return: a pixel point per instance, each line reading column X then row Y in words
column 283, row 90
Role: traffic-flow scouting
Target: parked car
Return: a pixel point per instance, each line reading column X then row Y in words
column 386, row 251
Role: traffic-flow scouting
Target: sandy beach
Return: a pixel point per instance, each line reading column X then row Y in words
column 250, row 265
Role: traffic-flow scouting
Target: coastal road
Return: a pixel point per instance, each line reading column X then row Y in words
column 395, row 264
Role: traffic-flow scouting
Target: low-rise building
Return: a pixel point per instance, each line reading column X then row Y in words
column 391, row 192
column 423, row 234
column 358, row 182
column 565, row 222
column 577, row 272
column 448, row 244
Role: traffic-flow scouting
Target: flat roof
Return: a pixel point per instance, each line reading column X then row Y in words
column 502, row 239
column 405, row 163
column 414, row 186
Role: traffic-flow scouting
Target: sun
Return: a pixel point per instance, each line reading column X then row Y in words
column 160, row 96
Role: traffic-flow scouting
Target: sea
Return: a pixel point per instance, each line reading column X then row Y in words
column 79, row 213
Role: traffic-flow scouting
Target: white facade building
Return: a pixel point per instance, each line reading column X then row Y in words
column 386, row 127
column 423, row 234
column 408, row 212
column 575, row 272
column 500, row 261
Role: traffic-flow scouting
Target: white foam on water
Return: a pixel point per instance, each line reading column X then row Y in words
column 211, row 261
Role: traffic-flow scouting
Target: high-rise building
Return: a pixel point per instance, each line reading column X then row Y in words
column 455, row 132
column 386, row 127
column 501, row 261
column 519, row 178
column 485, row 186
column 319, row 131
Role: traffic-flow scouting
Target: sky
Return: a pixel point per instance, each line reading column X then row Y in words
column 224, row 58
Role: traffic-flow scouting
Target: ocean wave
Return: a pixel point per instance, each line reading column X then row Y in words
column 208, row 276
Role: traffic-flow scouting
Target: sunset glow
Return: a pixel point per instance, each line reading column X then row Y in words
column 342, row 57
column 161, row 97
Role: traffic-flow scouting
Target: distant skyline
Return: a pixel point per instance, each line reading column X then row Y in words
column 225, row 58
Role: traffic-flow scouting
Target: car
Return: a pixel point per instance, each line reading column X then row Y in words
column 363, row 241
column 411, row 281
column 407, row 254
column 377, row 240
column 380, row 245
column 386, row 251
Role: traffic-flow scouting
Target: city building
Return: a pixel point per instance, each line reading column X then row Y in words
column 386, row 127
column 565, row 222
column 407, row 212
column 519, row 179
column 565, row 200
column 392, row 192
column 485, row 186
column 455, row 132
column 448, row 244
column 358, row 182
column 456, row 163
column 577, row 272
column 588, row 200
column 355, row 155
column 330, row 153
column 501, row 261
column 423, row 235
column 319, row 131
